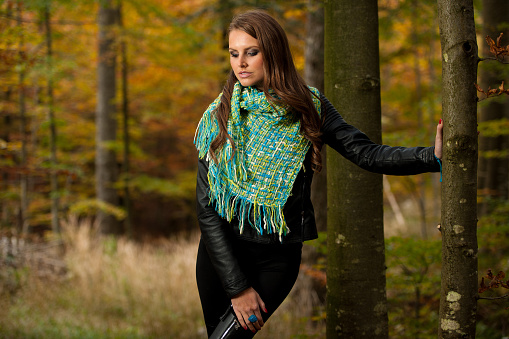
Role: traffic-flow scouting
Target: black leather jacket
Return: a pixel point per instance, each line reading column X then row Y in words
column 298, row 211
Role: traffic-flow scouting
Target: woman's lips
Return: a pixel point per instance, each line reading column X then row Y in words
column 244, row 74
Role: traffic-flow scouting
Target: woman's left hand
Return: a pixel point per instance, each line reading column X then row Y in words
column 438, row 140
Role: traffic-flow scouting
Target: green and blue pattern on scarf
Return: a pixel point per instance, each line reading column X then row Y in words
column 270, row 150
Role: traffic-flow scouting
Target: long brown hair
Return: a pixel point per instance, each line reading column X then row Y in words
column 280, row 75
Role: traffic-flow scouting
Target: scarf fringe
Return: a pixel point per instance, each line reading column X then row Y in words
column 207, row 129
column 206, row 132
column 265, row 219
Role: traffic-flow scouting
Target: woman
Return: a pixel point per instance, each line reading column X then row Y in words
column 259, row 143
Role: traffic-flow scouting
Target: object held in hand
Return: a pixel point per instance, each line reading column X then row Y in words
column 228, row 327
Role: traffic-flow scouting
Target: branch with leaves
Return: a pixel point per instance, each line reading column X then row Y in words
column 493, row 282
column 492, row 91
column 496, row 49
column 499, row 52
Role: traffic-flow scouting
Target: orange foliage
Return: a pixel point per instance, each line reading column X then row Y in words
column 496, row 49
column 495, row 281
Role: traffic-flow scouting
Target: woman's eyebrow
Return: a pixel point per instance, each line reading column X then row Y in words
column 233, row 49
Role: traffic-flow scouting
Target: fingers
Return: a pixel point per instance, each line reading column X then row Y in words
column 246, row 323
column 248, row 304
column 262, row 305
column 256, row 325
column 240, row 318
column 439, row 139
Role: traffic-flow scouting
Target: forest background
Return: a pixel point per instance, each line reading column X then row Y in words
column 61, row 278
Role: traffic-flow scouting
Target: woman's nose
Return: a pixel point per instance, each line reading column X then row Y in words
column 242, row 62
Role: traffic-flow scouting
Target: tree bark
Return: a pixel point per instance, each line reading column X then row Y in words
column 458, row 298
column 356, row 296
column 494, row 171
column 314, row 75
column 225, row 14
column 125, row 127
column 7, row 124
column 106, row 120
column 55, row 224
column 23, row 126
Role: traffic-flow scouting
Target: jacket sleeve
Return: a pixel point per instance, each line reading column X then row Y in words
column 359, row 149
column 216, row 235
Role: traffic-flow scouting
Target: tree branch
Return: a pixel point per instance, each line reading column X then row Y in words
column 492, row 58
column 493, row 298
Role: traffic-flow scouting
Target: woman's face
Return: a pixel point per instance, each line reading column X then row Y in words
column 246, row 59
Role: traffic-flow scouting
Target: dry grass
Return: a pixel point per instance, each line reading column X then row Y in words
column 116, row 288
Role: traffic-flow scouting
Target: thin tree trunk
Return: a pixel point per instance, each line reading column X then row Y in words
column 417, row 310
column 7, row 118
column 314, row 75
column 22, row 127
column 356, row 298
column 393, row 203
column 106, row 120
column 225, row 15
column 55, row 226
column 125, row 126
column 458, row 297
column 421, row 181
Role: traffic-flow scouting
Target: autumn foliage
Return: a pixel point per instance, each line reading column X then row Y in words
column 493, row 281
column 499, row 51
column 493, row 91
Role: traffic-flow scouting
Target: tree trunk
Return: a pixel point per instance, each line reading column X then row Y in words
column 7, row 124
column 458, row 298
column 493, row 172
column 313, row 75
column 55, row 224
column 125, row 127
column 106, row 120
column 400, row 219
column 356, row 297
column 224, row 11
column 22, row 127
column 417, row 97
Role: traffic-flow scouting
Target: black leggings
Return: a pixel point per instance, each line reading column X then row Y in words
column 271, row 269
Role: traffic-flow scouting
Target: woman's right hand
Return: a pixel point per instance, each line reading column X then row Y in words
column 247, row 303
column 439, row 139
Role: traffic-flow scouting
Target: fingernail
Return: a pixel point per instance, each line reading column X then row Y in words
column 440, row 121
column 245, row 327
column 265, row 310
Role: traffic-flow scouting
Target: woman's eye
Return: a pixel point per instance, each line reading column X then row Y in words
column 234, row 55
column 252, row 53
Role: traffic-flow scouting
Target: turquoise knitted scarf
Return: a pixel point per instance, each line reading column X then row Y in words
column 256, row 182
